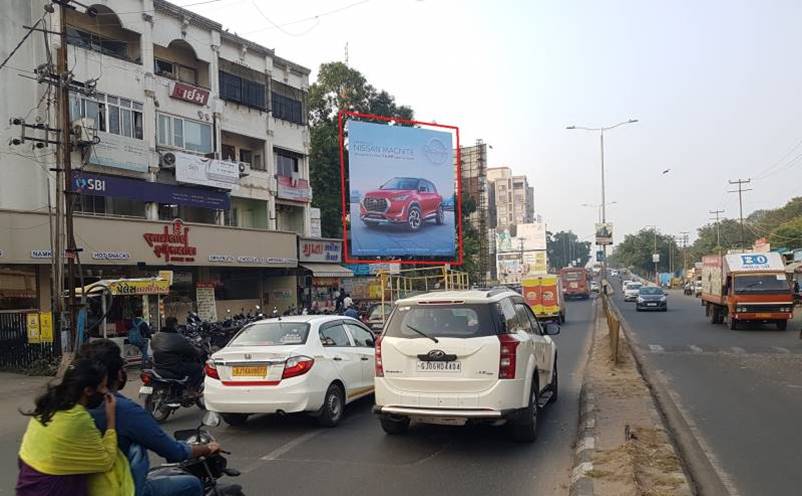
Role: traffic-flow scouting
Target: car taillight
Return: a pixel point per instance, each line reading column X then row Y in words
column 379, row 366
column 507, row 352
column 145, row 378
column 210, row 370
column 296, row 366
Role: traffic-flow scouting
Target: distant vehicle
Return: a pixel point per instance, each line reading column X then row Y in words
column 311, row 363
column 631, row 291
column 687, row 288
column 613, row 273
column 374, row 318
column 461, row 357
column 651, row 298
column 402, row 200
column 575, row 282
column 594, row 287
column 697, row 288
column 544, row 296
column 625, row 282
column 746, row 287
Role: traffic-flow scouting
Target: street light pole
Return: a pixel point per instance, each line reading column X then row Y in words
column 601, row 131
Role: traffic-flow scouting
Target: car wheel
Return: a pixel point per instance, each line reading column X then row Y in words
column 524, row 430
column 369, row 224
column 781, row 325
column 333, row 405
column 441, row 216
column 234, row 419
column 394, row 425
column 414, row 218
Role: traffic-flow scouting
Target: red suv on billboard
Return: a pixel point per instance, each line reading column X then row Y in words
column 402, row 200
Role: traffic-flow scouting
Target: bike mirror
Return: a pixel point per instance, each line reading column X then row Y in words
column 211, row 419
column 258, row 307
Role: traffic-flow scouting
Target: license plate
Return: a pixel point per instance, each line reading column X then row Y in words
column 651, row 304
column 454, row 367
column 440, row 420
column 146, row 390
column 259, row 371
column 763, row 315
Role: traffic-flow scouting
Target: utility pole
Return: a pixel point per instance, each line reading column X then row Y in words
column 656, row 276
column 684, row 237
column 521, row 248
column 740, row 182
column 717, row 213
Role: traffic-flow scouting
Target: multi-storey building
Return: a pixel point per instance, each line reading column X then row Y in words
column 191, row 154
column 473, row 170
column 511, row 199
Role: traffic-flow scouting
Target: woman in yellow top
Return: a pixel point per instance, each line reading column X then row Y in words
column 62, row 445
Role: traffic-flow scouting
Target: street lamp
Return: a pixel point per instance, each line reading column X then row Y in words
column 655, row 254
column 601, row 131
column 599, row 206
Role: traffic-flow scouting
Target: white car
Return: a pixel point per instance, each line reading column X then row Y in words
column 310, row 363
column 464, row 357
column 631, row 291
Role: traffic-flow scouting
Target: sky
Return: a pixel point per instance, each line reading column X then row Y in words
column 716, row 86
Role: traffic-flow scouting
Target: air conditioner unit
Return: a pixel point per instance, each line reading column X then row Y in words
column 84, row 130
column 244, row 169
column 167, row 160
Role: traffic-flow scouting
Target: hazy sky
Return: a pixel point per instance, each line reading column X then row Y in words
column 716, row 85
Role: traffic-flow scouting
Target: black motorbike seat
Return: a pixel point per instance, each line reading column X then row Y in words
column 167, row 376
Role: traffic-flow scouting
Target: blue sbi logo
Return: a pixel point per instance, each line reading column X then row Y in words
column 754, row 259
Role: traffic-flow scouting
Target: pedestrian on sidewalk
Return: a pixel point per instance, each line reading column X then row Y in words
column 139, row 335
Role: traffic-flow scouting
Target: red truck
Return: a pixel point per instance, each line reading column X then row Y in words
column 740, row 288
column 575, row 283
column 402, row 200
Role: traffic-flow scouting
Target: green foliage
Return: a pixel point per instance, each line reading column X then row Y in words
column 788, row 234
column 563, row 247
column 635, row 252
column 338, row 87
column 470, row 241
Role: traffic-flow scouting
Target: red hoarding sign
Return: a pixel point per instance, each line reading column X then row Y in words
column 294, row 189
column 189, row 93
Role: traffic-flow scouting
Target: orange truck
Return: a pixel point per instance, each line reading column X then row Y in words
column 544, row 296
column 742, row 288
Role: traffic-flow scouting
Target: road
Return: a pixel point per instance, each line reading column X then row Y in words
column 430, row 239
column 292, row 455
column 741, row 391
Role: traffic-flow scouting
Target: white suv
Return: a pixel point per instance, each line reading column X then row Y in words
column 469, row 356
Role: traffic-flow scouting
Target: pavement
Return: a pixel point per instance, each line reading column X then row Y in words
column 383, row 240
column 740, row 392
column 293, row 455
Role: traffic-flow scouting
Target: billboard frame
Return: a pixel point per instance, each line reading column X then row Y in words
column 458, row 260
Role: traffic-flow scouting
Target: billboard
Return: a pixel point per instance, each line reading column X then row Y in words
column 401, row 180
column 533, row 234
column 604, row 233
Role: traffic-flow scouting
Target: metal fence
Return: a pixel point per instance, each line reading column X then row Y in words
column 18, row 350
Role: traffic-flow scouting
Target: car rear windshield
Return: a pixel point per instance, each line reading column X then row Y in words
column 442, row 321
column 572, row 276
column 401, row 183
column 634, row 285
column 761, row 283
column 651, row 291
column 272, row 334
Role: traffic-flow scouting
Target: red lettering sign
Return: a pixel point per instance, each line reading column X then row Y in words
column 189, row 93
column 173, row 244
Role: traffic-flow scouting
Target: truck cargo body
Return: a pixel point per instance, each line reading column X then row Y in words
column 544, row 296
column 575, row 283
column 746, row 287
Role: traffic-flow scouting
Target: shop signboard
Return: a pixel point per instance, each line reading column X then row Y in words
column 189, row 93
column 130, row 287
column 45, row 327
column 604, row 233
column 532, row 234
column 373, row 269
column 205, row 299
column 172, row 243
column 119, row 152
column 404, row 176
column 319, row 250
column 314, row 224
column 294, row 189
column 195, row 169
column 135, row 189
column 32, row 327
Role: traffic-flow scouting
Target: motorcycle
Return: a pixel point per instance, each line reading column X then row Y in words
column 206, row 468
column 161, row 396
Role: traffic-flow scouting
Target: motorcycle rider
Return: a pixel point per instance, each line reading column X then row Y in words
column 136, row 428
column 175, row 356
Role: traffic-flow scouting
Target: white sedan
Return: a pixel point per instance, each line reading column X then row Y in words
column 309, row 363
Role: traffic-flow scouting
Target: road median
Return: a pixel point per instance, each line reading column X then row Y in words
column 623, row 447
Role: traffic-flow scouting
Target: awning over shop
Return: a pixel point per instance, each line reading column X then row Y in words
column 326, row 269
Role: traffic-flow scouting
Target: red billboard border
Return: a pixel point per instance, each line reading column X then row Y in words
column 457, row 209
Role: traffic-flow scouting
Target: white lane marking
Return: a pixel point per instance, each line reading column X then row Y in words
column 780, row 349
column 738, row 349
column 656, row 348
column 794, row 386
column 273, row 455
column 695, row 348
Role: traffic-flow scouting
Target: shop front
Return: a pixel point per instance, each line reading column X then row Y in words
column 228, row 268
column 320, row 274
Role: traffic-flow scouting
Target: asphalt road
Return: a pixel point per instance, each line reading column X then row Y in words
column 430, row 239
column 740, row 391
column 292, row 455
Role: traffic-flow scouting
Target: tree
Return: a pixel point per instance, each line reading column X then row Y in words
column 635, row 252
column 788, row 234
column 338, row 87
column 707, row 241
column 564, row 247
column 470, row 241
